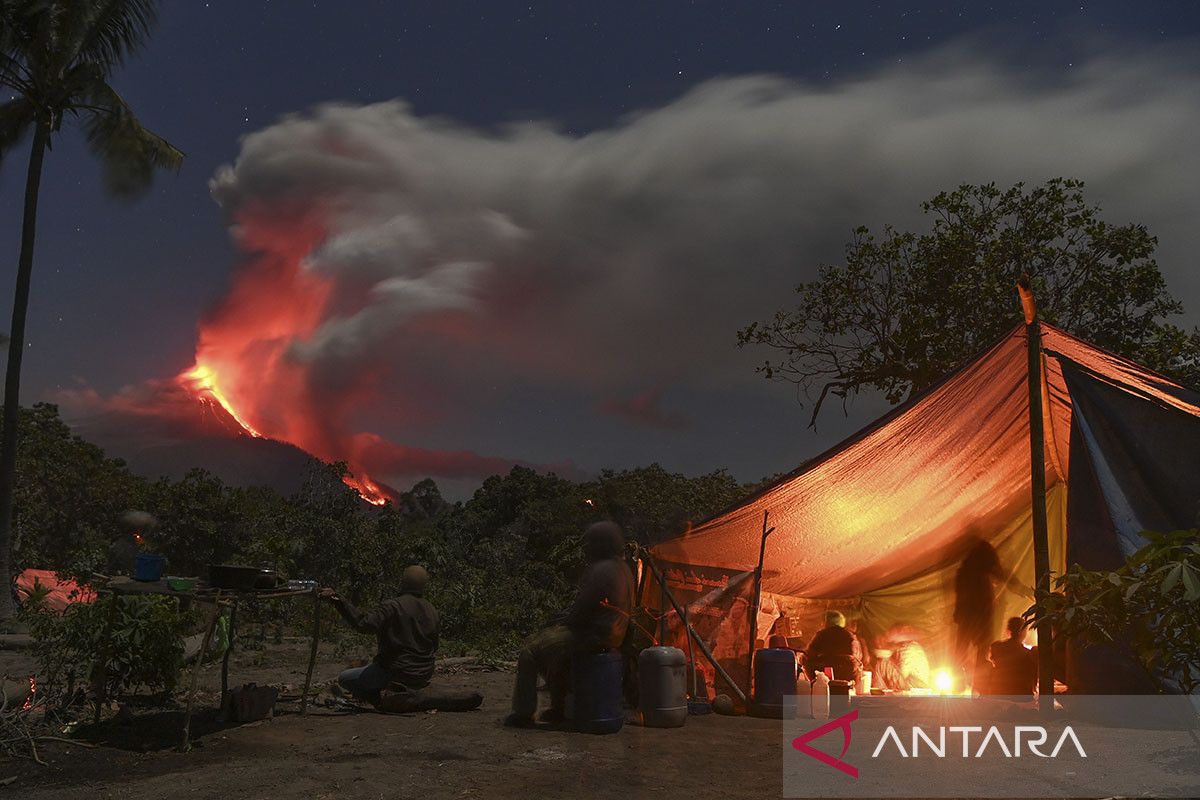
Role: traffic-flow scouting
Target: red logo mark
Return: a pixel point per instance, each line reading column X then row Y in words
column 801, row 743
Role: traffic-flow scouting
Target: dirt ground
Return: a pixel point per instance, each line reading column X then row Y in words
column 328, row 754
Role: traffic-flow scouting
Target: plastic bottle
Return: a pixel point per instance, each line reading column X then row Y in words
column 803, row 695
column 820, row 696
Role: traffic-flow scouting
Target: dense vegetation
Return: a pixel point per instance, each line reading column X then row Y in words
column 1150, row 606
column 502, row 562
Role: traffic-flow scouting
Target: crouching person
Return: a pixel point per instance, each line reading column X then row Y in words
column 407, row 629
column 596, row 622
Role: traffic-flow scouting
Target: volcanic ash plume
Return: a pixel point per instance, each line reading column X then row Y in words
column 260, row 353
column 404, row 278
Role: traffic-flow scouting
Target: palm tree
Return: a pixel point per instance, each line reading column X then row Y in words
column 56, row 57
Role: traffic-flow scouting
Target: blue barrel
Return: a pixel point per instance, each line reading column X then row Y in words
column 596, row 685
column 774, row 677
column 148, row 567
column 662, row 687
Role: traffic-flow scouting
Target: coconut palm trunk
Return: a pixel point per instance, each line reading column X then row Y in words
column 56, row 57
column 16, row 349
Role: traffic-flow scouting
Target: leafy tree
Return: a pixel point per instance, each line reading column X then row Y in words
column 1151, row 604
column 196, row 522
column 57, row 56
column 907, row 308
column 652, row 505
column 423, row 501
column 541, row 510
column 69, row 496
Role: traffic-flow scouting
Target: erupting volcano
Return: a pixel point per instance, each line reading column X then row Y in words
column 201, row 382
column 246, row 366
column 256, row 372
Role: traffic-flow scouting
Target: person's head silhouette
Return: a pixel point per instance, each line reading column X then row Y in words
column 1016, row 629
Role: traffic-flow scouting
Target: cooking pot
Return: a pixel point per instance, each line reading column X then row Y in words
column 238, row 578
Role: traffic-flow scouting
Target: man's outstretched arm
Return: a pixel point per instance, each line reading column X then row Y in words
column 363, row 622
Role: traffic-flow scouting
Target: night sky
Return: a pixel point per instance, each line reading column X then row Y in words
column 1104, row 91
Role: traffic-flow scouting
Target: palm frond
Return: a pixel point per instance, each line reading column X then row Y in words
column 131, row 153
column 14, row 75
column 57, row 55
column 105, row 32
column 16, row 116
column 39, row 37
column 19, row 22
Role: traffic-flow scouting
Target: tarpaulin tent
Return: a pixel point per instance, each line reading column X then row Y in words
column 878, row 524
column 55, row 594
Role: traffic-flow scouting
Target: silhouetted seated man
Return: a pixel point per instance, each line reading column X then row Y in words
column 835, row 647
column 596, row 622
column 407, row 629
column 1014, row 667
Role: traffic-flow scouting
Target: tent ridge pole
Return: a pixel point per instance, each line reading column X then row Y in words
column 756, row 601
column 1037, row 468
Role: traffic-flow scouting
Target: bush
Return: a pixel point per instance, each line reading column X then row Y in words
column 145, row 647
column 1152, row 604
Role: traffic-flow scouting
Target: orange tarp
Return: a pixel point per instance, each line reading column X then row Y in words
column 61, row 592
column 883, row 519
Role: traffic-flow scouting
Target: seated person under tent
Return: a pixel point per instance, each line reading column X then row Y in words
column 1014, row 666
column 835, row 647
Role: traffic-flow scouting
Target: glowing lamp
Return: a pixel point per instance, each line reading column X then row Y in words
column 943, row 681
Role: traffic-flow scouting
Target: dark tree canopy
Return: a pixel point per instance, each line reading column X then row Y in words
column 907, row 308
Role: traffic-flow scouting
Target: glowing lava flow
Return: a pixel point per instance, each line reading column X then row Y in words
column 201, row 379
column 367, row 489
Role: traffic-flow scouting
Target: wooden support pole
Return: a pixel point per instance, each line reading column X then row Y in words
column 692, row 633
column 186, row 744
column 312, row 652
column 228, row 650
column 1037, row 465
column 756, row 601
column 661, row 633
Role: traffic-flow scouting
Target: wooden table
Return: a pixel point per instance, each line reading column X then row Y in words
column 220, row 599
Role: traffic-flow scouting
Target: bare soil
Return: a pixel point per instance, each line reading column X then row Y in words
column 328, row 753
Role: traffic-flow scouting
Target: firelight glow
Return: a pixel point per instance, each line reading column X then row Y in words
column 943, row 681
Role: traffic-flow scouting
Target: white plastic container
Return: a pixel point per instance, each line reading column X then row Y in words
column 803, row 695
column 820, row 696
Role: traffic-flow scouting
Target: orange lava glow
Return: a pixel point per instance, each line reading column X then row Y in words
column 246, row 361
column 202, row 380
column 367, row 489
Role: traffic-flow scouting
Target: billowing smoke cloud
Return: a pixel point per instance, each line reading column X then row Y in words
column 401, row 268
